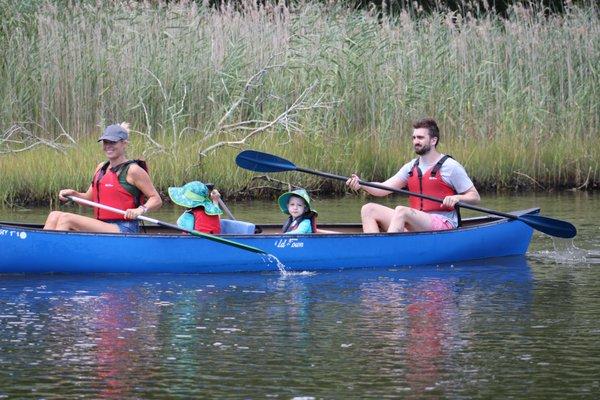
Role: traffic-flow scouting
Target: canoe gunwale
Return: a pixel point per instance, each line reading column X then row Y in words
column 471, row 223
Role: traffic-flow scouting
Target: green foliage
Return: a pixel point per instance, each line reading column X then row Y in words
column 518, row 98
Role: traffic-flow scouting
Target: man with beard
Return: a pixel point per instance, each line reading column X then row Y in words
column 433, row 174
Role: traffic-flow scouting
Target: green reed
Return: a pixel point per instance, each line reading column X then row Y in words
column 501, row 164
column 518, row 99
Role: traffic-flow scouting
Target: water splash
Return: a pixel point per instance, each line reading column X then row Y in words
column 300, row 273
column 565, row 252
column 593, row 257
column 270, row 258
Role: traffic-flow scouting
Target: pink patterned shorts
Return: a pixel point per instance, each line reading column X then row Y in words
column 439, row 224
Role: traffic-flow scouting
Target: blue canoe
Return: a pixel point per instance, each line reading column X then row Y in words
column 25, row 248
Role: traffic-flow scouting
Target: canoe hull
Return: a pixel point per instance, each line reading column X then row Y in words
column 27, row 250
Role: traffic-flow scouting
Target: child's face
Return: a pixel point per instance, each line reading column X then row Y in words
column 296, row 206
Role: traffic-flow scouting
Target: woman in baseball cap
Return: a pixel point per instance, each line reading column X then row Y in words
column 119, row 183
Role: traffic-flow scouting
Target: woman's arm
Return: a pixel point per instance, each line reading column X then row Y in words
column 138, row 177
column 63, row 193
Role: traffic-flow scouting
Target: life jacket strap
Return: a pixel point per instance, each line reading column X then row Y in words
column 121, row 171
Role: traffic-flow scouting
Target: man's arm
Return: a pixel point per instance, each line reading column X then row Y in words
column 394, row 182
column 471, row 196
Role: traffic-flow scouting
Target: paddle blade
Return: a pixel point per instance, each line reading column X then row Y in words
column 262, row 162
column 550, row 226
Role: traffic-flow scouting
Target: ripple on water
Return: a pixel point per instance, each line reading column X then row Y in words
column 442, row 332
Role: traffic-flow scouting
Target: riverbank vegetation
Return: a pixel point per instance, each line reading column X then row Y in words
column 334, row 89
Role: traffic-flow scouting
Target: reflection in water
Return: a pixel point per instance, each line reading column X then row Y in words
column 420, row 315
column 112, row 348
column 410, row 332
column 430, row 312
column 120, row 320
column 424, row 319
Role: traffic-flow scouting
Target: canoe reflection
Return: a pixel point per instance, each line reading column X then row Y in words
column 423, row 319
column 335, row 335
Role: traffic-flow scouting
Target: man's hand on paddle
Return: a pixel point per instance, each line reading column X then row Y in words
column 450, row 201
column 353, row 182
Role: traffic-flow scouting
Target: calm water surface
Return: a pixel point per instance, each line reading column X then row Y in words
column 521, row 327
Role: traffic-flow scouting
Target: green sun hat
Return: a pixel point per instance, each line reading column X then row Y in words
column 285, row 198
column 194, row 194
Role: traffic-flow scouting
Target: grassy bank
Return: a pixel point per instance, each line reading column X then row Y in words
column 502, row 164
column 518, row 99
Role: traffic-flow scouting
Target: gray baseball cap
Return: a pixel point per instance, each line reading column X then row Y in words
column 114, row 133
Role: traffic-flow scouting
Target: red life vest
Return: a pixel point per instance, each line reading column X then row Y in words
column 206, row 223
column 109, row 187
column 431, row 184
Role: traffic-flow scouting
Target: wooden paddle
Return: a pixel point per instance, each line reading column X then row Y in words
column 168, row 225
column 264, row 162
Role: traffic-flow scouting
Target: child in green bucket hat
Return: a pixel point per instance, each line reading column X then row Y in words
column 203, row 210
column 303, row 218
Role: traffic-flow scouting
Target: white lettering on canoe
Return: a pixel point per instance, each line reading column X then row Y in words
column 17, row 234
column 289, row 242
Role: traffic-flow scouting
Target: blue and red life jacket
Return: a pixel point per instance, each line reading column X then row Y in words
column 198, row 220
column 206, row 223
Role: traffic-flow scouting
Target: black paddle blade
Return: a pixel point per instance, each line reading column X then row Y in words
column 550, row 226
column 263, row 162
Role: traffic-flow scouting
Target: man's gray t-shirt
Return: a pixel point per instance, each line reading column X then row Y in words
column 451, row 172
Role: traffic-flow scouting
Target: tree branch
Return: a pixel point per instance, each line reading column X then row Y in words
column 287, row 119
column 18, row 139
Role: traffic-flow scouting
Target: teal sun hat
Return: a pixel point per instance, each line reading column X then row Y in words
column 194, row 194
column 285, row 198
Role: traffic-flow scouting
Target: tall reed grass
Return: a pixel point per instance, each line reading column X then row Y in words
column 518, row 99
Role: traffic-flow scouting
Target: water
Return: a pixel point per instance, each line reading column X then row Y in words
column 522, row 327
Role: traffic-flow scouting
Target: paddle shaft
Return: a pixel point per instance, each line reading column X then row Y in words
column 226, row 209
column 402, row 191
column 168, row 225
column 210, row 187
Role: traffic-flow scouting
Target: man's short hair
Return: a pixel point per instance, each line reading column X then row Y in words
column 430, row 125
